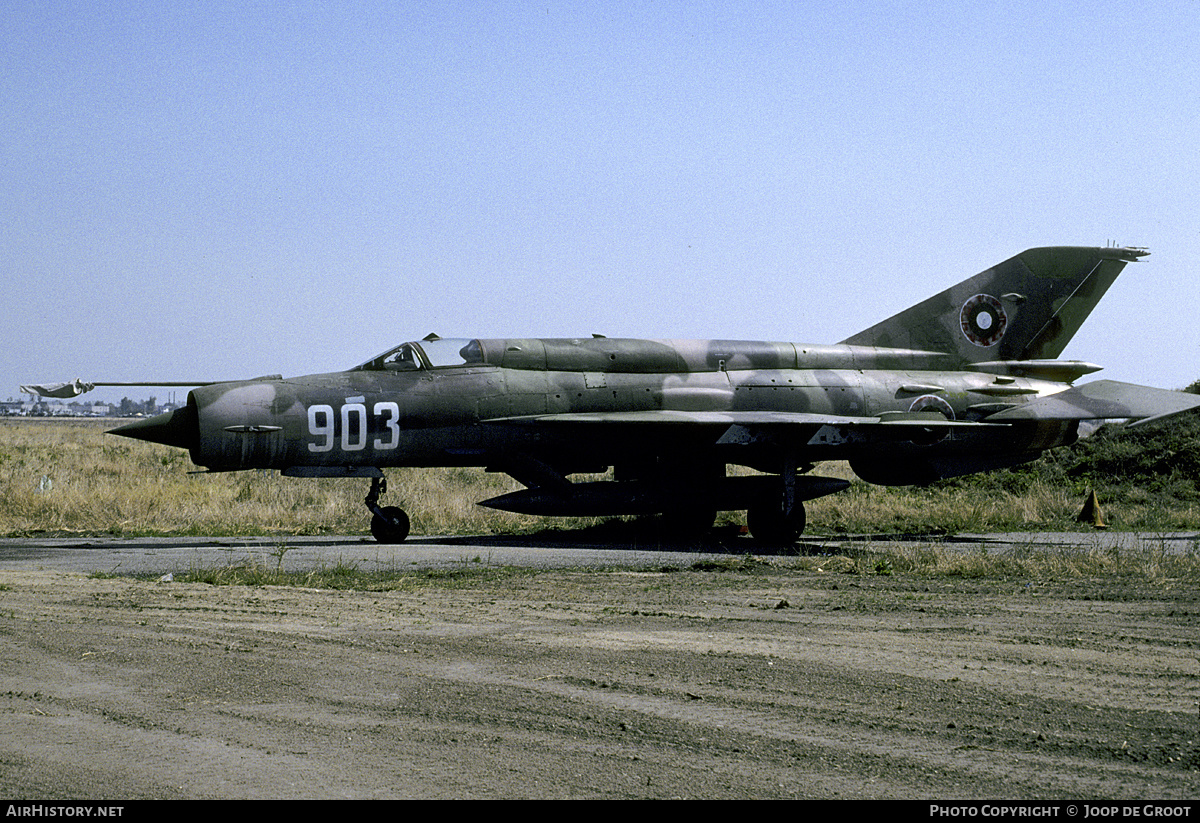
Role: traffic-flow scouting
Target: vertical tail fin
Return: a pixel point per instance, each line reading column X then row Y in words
column 1026, row 308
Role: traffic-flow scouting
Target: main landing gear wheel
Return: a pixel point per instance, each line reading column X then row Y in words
column 389, row 524
column 769, row 524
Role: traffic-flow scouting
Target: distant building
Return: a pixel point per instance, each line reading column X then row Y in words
column 43, row 407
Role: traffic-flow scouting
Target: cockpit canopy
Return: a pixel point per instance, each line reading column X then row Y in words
column 430, row 353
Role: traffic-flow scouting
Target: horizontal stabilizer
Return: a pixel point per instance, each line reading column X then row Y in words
column 1103, row 400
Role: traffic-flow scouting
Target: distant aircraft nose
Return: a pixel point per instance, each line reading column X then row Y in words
column 174, row 428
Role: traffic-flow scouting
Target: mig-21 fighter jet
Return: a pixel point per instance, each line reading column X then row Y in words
column 966, row 381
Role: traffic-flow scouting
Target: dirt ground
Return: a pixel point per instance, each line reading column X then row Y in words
column 765, row 681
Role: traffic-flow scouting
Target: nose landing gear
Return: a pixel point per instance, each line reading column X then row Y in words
column 773, row 524
column 780, row 521
column 389, row 524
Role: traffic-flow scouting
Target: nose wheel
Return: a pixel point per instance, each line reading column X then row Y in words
column 771, row 525
column 779, row 521
column 389, row 524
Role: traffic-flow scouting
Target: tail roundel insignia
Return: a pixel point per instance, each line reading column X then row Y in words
column 983, row 320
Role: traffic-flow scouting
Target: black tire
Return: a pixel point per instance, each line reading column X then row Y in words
column 392, row 526
column 769, row 525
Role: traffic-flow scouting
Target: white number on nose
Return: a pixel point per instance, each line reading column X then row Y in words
column 322, row 425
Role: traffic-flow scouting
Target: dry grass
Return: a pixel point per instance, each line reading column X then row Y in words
column 914, row 510
column 69, row 477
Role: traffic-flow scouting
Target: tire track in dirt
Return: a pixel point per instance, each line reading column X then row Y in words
column 777, row 683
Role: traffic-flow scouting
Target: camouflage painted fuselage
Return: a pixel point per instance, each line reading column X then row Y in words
column 579, row 405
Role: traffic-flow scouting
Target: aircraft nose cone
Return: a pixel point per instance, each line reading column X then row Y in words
column 174, row 428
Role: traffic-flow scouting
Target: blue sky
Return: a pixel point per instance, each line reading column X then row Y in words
column 211, row 190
